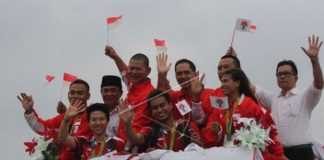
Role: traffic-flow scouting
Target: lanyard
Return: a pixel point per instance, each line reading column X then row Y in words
column 93, row 148
column 229, row 120
column 172, row 138
column 72, row 126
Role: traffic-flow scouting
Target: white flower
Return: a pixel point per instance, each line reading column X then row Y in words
column 252, row 134
column 41, row 146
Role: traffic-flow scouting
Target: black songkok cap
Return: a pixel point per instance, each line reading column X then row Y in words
column 111, row 80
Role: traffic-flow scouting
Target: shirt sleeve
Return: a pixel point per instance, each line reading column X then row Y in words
column 38, row 125
column 263, row 96
column 312, row 95
column 124, row 78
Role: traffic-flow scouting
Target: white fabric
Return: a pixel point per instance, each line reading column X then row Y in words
column 291, row 113
column 113, row 123
column 33, row 123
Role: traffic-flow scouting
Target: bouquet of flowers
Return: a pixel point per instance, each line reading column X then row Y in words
column 44, row 148
column 252, row 134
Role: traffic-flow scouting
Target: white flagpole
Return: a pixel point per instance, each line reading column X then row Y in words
column 107, row 34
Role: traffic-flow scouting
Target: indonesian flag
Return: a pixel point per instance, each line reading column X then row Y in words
column 244, row 25
column 113, row 22
column 69, row 77
column 160, row 45
column 49, row 78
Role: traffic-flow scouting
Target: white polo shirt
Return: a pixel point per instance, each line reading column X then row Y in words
column 291, row 113
column 113, row 123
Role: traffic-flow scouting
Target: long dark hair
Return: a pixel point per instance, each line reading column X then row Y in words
column 239, row 75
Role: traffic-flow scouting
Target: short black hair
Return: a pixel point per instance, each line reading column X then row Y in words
column 237, row 62
column 97, row 107
column 290, row 63
column 142, row 57
column 83, row 82
column 157, row 93
column 191, row 64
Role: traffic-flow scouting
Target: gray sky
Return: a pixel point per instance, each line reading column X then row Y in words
column 39, row 37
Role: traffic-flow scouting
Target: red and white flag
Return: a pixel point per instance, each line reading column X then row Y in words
column 160, row 45
column 69, row 77
column 244, row 25
column 49, row 78
column 183, row 107
column 113, row 22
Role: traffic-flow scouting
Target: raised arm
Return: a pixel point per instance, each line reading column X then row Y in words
column 163, row 68
column 312, row 52
column 126, row 116
column 110, row 52
column 73, row 110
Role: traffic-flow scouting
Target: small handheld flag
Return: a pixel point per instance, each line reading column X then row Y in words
column 112, row 23
column 243, row 25
column 160, row 45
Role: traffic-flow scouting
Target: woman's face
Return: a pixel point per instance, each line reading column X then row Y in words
column 229, row 86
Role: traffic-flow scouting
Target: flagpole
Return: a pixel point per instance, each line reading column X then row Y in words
column 107, row 34
column 233, row 36
column 38, row 91
column 62, row 90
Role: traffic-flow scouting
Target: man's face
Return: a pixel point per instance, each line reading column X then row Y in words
column 184, row 73
column 98, row 122
column 286, row 79
column 137, row 72
column 161, row 109
column 78, row 92
column 111, row 95
column 225, row 65
column 229, row 86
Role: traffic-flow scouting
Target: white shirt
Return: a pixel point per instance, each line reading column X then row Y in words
column 113, row 123
column 291, row 113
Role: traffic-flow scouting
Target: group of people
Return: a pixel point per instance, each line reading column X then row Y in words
column 148, row 118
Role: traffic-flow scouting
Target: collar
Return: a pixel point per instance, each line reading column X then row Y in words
column 293, row 91
column 114, row 111
column 241, row 99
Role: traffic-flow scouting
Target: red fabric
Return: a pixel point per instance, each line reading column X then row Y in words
column 84, row 146
column 69, row 77
column 159, row 42
column 111, row 20
column 179, row 95
column 49, row 78
column 82, row 129
column 137, row 94
column 248, row 108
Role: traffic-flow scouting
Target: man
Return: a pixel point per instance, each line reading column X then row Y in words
column 135, row 76
column 79, row 91
column 192, row 89
column 101, row 143
column 111, row 91
column 166, row 134
column 291, row 108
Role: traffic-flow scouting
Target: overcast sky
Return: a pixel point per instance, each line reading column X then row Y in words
column 39, row 37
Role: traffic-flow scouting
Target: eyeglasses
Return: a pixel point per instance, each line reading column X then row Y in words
column 284, row 74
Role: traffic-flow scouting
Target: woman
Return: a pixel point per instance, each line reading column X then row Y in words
column 222, row 123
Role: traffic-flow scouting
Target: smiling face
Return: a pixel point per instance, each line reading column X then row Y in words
column 161, row 109
column 98, row 122
column 111, row 95
column 78, row 91
column 286, row 79
column 137, row 71
column 225, row 65
column 229, row 86
column 184, row 73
